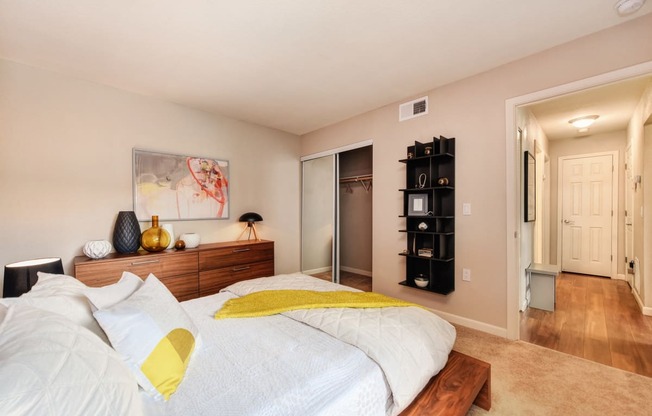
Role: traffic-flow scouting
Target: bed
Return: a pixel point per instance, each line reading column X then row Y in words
column 303, row 362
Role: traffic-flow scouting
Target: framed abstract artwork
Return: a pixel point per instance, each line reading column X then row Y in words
column 529, row 191
column 179, row 187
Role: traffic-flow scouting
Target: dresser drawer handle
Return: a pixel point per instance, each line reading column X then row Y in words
column 241, row 250
column 239, row 269
column 138, row 263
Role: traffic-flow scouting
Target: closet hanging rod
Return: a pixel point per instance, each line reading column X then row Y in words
column 349, row 179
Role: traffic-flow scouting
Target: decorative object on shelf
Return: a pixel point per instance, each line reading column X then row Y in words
column 155, row 238
column 410, row 155
column 179, row 245
column 170, row 229
column 421, row 280
column 418, row 204
column 250, row 218
column 97, row 249
column 21, row 276
column 126, row 233
column 186, row 187
column 191, row 240
column 422, row 180
column 430, row 194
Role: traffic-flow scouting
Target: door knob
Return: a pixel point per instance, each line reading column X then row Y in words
column 569, row 222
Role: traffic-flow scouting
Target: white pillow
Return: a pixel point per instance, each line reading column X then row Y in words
column 106, row 296
column 60, row 294
column 154, row 335
column 52, row 366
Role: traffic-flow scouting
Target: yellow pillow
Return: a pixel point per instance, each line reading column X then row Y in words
column 154, row 336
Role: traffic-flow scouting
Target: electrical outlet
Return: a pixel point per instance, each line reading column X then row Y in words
column 466, row 275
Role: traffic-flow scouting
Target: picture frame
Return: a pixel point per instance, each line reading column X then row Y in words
column 179, row 187
column 530, row 183
column 418, row 204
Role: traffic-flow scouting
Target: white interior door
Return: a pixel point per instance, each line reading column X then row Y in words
column 586, row 205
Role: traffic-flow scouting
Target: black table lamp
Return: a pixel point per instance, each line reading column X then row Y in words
column 21, row 276
column 250, row 218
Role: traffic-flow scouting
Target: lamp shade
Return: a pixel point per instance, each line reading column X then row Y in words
column 21, row 276
column 250, row 217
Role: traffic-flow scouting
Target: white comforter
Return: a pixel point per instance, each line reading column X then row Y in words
column 271, row 366
column 409, row 344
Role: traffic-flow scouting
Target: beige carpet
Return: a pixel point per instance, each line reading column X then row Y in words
column 532, row 380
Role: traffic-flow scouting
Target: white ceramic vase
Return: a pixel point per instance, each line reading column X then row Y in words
column 170, row 230
column 97, row 249
column 191, row 239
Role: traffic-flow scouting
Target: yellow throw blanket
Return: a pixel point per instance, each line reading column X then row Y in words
column 272, row 302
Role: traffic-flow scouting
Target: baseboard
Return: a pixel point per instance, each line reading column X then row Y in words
column 318, row 270
column 620, row 277
column 470, row 323
column 356, row 271
column 646, row 310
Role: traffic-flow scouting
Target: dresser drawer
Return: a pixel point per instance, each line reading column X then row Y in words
column 184, row 287
column 104, row 272
column 211, row 281
column 235, row 255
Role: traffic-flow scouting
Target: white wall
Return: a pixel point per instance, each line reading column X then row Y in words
column 66, row 169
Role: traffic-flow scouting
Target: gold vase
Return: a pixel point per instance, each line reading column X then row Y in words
column 155, row 238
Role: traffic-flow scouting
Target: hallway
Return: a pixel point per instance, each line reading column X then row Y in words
column 595, row 318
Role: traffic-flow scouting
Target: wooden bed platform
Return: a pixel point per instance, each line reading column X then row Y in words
column 462, row 382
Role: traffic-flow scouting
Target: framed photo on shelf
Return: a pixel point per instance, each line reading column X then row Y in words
column 418, row 204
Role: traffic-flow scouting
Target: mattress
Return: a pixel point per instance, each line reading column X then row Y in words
column 272, row 366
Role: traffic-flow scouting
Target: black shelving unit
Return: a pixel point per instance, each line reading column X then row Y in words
column 429, row 212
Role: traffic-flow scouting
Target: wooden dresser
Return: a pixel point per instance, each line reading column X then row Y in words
column 187, row 273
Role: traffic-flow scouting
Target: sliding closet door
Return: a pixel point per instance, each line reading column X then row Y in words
column 319, row 230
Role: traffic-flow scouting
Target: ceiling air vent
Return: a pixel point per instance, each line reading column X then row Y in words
column 414, row 108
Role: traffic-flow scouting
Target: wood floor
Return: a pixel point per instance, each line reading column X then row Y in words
column 597, row 319
column 357, row 281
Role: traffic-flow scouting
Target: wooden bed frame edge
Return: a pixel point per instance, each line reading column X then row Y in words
column 464, row 381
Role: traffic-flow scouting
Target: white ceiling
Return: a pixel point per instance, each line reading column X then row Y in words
column 613, row 103
column 288, row 64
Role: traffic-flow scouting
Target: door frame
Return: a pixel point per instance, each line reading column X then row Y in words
column 615, row 206
column 512, row 176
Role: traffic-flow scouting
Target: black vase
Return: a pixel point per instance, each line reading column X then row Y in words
column 126, row 234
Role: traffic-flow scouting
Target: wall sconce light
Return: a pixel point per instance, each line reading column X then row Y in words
column 250, row 218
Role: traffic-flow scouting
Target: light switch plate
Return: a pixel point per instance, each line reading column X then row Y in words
column 466, row 208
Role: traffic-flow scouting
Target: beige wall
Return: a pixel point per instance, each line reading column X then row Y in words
column 65, row 165
column 639, row 139
column 606, row 142
column 473, row 111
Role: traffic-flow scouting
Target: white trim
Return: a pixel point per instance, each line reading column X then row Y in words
column 512, row 197
column 329, row 152
column 318, row 270
column 620, row 276
column 615, row 206
column 356, row 271
column 470, row 323
column 645, row 310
